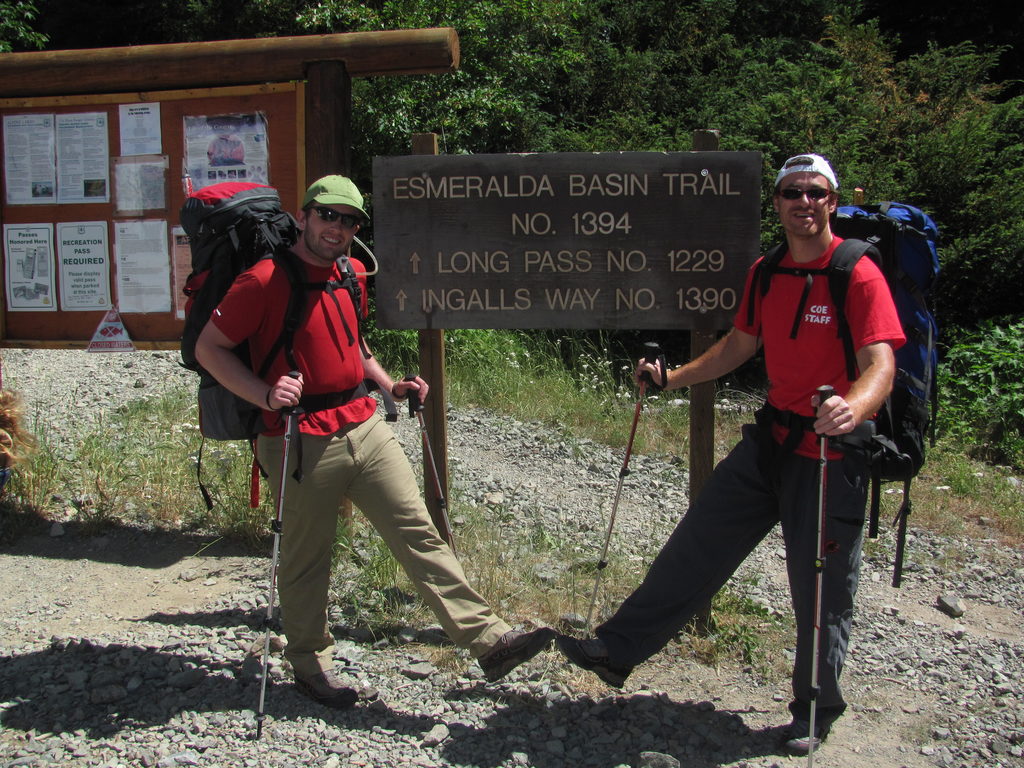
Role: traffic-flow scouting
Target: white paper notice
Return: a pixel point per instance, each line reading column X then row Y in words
column 30, row 170
column 83, row 158
column 143, row 266
column 83, row 257
column 140, row 184
column 29, row 258
column 140, row 129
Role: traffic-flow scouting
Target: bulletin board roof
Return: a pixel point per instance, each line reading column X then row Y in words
column 226, row 62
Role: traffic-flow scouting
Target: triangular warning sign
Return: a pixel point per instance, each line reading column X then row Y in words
column 111, row 335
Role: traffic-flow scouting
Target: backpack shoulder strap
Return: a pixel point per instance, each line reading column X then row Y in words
column 350, row 282
column 286, row 260
column 840, row 269
column 762, row 277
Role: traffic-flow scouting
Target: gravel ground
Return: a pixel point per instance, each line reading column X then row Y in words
column 136, row 648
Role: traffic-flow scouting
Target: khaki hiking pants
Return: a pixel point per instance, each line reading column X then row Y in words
column 366, row 464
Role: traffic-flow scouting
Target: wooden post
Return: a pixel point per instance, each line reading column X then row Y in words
column 328, row 107
column 702, row 403
column 702, row 396
column 432, row 369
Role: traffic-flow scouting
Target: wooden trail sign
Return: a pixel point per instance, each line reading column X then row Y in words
column 613, row 240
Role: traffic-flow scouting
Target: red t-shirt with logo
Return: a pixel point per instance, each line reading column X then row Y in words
column 797, row 367
column 254, row 309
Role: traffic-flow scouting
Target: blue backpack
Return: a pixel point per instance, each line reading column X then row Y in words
column 903, row 242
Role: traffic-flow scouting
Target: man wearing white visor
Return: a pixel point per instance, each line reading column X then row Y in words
column 772, row 475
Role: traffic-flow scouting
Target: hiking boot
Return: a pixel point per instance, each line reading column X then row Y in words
column 591, row 654
column 800, row 741
column 325, row 688
column 512, row 649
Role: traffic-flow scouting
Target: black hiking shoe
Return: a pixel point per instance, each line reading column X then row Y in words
column 799, row 741
column 512, row 649
column 325, row 688
column 591, row 654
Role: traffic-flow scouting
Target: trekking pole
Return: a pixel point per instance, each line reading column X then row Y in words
column 901, row 536
column 290, row 412
column 824, row 393
column 416, row 409
column 652, row 355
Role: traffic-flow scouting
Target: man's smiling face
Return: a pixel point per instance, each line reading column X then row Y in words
column 804, row 203
column 324, row 241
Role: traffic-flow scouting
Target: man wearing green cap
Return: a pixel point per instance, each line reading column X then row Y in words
column 345, row 449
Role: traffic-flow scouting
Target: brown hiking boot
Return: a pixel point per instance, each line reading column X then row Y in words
column 325, row 688
column 512, row 649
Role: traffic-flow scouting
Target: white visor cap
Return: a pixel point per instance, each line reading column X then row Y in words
column 808, row 164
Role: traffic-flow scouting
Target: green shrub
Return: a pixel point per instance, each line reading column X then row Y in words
column 981, row 386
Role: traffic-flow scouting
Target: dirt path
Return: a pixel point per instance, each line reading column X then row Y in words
column 109, row 586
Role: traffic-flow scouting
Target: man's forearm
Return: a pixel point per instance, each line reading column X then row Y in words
column 226, row 367
column 727, row 354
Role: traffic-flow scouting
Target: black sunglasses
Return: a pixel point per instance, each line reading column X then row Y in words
column 814, row 193
column 330, row 216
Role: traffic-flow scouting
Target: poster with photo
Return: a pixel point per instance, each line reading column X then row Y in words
column 227, row 148
column 28, row 254
column 83, row 257
column 83, row 158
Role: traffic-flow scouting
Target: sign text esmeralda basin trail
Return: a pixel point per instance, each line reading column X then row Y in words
column 614, row 240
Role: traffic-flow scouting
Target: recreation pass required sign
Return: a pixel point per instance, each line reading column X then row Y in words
column 610, row 240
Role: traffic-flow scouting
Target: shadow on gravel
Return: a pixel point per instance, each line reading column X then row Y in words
column 609, row 732
column 105, row 688
column 102, row 689
column 118, row 544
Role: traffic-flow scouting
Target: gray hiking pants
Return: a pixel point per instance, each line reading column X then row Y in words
column 734, row 512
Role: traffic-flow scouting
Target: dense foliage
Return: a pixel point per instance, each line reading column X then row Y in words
column 929, row 127
column 983, row 393
column 905, row 103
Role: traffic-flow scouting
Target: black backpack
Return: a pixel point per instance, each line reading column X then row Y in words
column 230, row 227
column 902, row 240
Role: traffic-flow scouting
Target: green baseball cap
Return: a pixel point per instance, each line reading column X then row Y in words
column 335, row 190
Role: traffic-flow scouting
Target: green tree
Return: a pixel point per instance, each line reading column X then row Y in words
column 17, row 30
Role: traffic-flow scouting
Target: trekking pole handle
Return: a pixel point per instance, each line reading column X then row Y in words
column 654, row 356
column 290, row 408
column 415, row 404
column 825, row 391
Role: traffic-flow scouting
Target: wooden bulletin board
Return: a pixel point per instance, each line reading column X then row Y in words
column 283, row 109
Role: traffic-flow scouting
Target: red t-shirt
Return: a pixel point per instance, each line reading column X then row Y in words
column 797, row 367
column 254, row 308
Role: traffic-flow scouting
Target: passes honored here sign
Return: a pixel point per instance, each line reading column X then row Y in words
column 612, row 240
